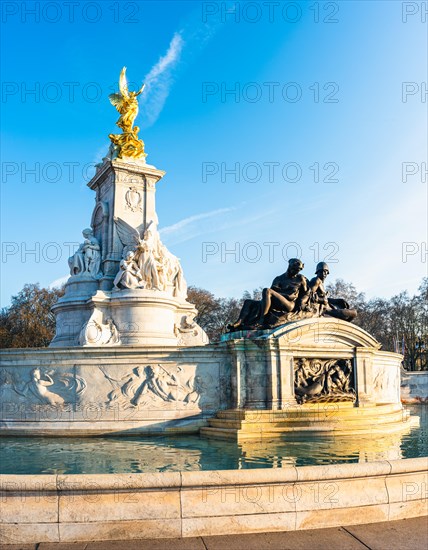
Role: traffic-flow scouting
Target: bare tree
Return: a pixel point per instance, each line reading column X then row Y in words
column 214, row 314
column 400, row 324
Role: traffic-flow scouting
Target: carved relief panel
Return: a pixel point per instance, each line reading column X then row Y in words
column 324, row 380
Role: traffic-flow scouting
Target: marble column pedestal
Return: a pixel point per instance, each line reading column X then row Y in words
column 267, row 398
column 141, row 317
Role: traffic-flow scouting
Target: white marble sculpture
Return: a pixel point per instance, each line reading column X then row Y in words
column 173, row 271
column 154, row 383
column 149, row 263
column 97, row 333
column 122, row 270
column 187, row 331
column 39, row 387
column 129, row 275
column 87, row 259
column 159, row 269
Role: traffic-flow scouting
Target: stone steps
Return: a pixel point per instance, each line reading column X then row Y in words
column 299, row 433
column 319, row 412
column 302, row 422
column 240, row 425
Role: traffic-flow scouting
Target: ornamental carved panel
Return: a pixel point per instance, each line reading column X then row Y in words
column 324, row 380
column 133, row 200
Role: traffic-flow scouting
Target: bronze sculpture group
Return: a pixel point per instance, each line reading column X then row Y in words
column 323, row 380
column 290, row 298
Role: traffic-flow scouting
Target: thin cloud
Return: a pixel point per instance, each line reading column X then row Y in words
column 58, row 282
column 159, row 81
column 185, row 230
column 189, row 40
column 183, row 224
column 168, row 60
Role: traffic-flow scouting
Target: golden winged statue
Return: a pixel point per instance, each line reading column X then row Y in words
column 127, row 144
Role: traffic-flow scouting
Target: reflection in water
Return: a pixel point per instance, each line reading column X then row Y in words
column 181, row 453
column 324, row 450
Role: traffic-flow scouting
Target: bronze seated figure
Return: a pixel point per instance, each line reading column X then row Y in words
column 290, row 298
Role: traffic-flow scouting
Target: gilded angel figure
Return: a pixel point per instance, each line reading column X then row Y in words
column 127, row 144
column 126, row 103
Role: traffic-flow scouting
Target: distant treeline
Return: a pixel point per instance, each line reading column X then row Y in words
column 399, row 324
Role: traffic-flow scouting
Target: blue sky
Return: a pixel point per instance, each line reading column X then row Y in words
column 317, row 132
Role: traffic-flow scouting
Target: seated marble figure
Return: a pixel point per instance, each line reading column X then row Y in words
column 292, row 297
column 86, row 261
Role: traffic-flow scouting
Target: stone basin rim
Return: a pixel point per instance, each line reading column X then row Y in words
column 183, row 479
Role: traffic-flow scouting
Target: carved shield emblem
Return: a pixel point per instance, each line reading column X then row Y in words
column 133, row 199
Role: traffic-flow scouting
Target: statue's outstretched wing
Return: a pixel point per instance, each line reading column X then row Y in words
column 116, row 100
column 127, row 234
column 123, row 84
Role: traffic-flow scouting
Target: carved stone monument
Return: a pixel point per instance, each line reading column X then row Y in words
column 317, row 375
column 122, row 275
column 128, row 356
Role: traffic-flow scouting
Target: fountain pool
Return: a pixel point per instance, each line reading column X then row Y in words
column 112, row 455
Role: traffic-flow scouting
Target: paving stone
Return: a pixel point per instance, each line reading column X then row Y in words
column 405, row 534
column 314, row 539
column 149, row 544
column 408, row 534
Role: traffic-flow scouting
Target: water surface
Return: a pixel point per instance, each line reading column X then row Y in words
column 109, row 455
